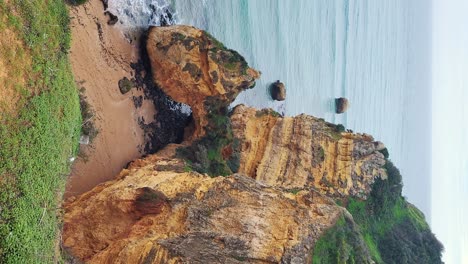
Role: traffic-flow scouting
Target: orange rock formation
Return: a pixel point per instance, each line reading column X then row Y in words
column 272, row 211
column 191, row 66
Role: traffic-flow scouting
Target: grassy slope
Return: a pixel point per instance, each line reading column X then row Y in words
column 393, row 230
column 38, row 139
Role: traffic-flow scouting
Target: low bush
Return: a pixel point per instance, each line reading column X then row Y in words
column 208, row 154
column 342, row 243
column 393, row 230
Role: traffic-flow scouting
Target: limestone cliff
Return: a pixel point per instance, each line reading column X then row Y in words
column 285, row 176
column 306, row 152
column 191, row 66
column 157, row 213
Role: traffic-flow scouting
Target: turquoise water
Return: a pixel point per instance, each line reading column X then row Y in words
column 366, row 51
column 320, row 50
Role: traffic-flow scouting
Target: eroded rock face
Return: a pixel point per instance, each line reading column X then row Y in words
column 191, row 67
column 304, row 151
column 157, row 213
column 272, row 211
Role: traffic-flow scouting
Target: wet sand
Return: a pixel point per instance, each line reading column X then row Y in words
column 101, row 56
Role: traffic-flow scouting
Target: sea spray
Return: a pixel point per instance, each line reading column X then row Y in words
column 140, row 14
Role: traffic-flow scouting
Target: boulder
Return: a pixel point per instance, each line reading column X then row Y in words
column 341, row 105
column 125, row 85
column 278, row 91
column 113, row 19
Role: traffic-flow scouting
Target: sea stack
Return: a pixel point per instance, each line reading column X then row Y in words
column 278, row 91
column 341, row 105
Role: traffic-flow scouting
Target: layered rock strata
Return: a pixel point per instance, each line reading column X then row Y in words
column 306, row 152
column 272, row 211
column 157, row 213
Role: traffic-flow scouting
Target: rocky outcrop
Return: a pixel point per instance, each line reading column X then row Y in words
column 194, row 68
column 157, row 213
column 278, row 91
column 272, row 211
column 341, row 105
column 289, row 173
column 113, row 19
column 306, row 152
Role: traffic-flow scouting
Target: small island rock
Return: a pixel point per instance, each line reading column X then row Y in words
column 341, row 105
column 278, row 91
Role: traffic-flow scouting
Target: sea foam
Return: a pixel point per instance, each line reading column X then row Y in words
column 140, row 14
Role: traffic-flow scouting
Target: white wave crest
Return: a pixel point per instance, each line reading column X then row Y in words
column 140, row 14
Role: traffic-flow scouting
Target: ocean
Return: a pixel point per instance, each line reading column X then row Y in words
column 372, row 52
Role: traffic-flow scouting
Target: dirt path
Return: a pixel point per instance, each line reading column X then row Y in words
column 100, row 57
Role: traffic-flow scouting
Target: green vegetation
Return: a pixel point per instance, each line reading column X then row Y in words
column 216, row 43
column 40, row 135
column 335, row 130
column 87, row 115
column 230, row 59
column 340, row 128
column 217, row 153
column 393, row 230
column 267, row 111
column 385, row 153
column 341, row 244
column 321, row 154
column 294, row 191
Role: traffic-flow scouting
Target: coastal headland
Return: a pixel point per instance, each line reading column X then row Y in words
column 243, row 184
column 124, row 146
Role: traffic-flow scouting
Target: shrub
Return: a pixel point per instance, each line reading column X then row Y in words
column 38, row 141
column 340, row 128
column 269, row 111
column 206, row 154
column 394, row 230
column 342, row 243
column 87, row 115
column 385, row 153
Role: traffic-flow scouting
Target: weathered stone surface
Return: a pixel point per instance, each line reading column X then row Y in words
column 156, row 212
column 341, row 105
column 278, row 91
column 191, row 66
column 273, row 211
column 151, row 216
column 304, row 151
column 113, row 19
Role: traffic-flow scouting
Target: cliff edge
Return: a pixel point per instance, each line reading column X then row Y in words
column 296, row 189
column 192, row 67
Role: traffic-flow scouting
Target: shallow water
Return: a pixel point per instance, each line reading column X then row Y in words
column 370, row 52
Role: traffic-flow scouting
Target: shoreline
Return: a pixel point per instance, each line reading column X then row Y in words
column 100, row 57
column 130, row 125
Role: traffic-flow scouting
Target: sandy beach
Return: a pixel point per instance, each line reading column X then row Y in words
column 100, row 57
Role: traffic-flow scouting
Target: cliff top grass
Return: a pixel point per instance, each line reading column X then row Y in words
column 393, row 230
column 39, row 127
